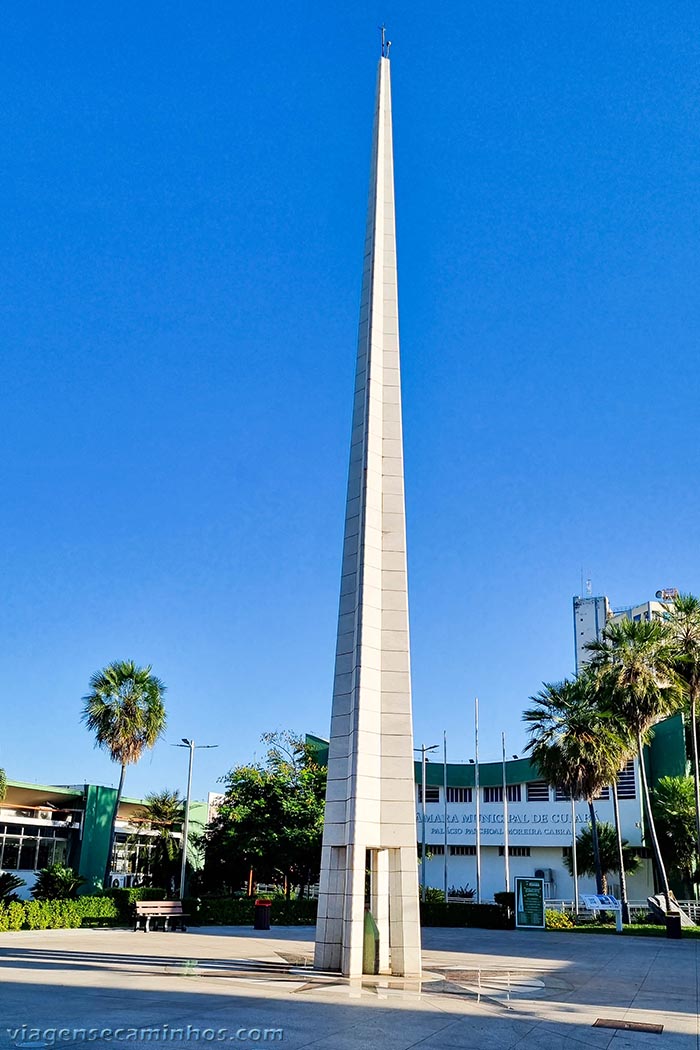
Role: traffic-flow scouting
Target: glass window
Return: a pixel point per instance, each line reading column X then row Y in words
column 27, row 853
column 10, row 854
column 60, row 855
column 45, row 854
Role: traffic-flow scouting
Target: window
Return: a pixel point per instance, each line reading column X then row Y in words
column 514, row 851
column 604, row 794
column 27, row 849
column 459, row 794
column 626, row 787
column 430, row 850
column 561, row 796
column 432, row 794
column 495, row 794
column 537, row 791
column 462, row 851
column 132, row 854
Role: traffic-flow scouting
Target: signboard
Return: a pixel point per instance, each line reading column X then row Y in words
column 600, row 902
column 529, row 903
column 596, row 902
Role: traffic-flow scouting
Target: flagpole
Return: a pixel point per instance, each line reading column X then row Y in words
column 478, row 800
column 444, row 788
column 505, row 816
column 573, row 853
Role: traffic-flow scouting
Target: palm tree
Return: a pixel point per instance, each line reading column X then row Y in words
column 607, row 851
column 575, row 745
column 163, row 810
column 684, row 624
column 125, row 711
column 3, row 784
column 634, row 663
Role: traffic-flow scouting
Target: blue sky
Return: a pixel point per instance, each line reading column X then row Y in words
column 184, row 195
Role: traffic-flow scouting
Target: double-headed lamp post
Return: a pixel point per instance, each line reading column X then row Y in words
column 186, row 825
column 423, row 752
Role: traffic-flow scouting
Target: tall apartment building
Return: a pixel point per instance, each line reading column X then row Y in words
column 592, row 613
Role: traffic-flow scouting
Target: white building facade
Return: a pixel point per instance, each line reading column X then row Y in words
column 539, row 830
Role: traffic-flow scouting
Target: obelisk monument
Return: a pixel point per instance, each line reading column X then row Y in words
column 369, row 860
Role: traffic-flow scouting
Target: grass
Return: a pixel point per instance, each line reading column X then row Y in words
column 633, row 930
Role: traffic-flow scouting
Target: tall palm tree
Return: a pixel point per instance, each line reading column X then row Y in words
column 634, row 662
column 125, row 711
column 575, row 745
column 684, row 624
column 3, row 784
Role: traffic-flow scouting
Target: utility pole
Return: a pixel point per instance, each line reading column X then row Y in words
column 423, row 751
column 186, row 823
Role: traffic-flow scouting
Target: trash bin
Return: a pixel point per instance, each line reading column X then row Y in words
column 673, row 925
column 261, row 920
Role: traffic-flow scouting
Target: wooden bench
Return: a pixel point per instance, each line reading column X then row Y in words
column 168, row 911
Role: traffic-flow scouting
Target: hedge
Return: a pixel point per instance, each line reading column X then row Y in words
column 115, row 908
column 58, row 914
column 240, row 911
column 485, row 916
column 126, row 898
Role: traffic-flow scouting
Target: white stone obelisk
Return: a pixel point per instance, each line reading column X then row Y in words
column 369, row 859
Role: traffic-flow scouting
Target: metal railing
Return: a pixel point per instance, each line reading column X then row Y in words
column 637, row 908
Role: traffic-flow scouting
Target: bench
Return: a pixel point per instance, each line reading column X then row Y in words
column 168, row 911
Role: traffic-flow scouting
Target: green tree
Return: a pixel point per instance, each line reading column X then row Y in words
column 673, row 802
column 3, row 784
column 607, row 850
column 162, row 812
column 270, row 820
column 574, row 744
column 684, row 625
column 125, row 711
column 634, row 664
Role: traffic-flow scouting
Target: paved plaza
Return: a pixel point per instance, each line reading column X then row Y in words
column 484, row 990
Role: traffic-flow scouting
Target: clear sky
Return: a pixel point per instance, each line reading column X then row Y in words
column 184, row 192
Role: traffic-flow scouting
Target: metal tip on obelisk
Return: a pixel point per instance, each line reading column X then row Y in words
column 386, row 44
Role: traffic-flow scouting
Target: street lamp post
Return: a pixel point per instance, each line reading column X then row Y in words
column 423, row 752
column 186, row 823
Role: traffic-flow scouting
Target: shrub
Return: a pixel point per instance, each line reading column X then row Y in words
column 240, row 911
column 126, row 898
column 8, row 884
column 97, row 911
column 11, row 915
column 434, row 896
column 557, row 920
column 506, row 899
column 56, row 883
column 461, row 893
column 485, row 916
column 57, row 914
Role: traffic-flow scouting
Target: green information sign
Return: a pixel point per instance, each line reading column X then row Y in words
column 529, row 903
